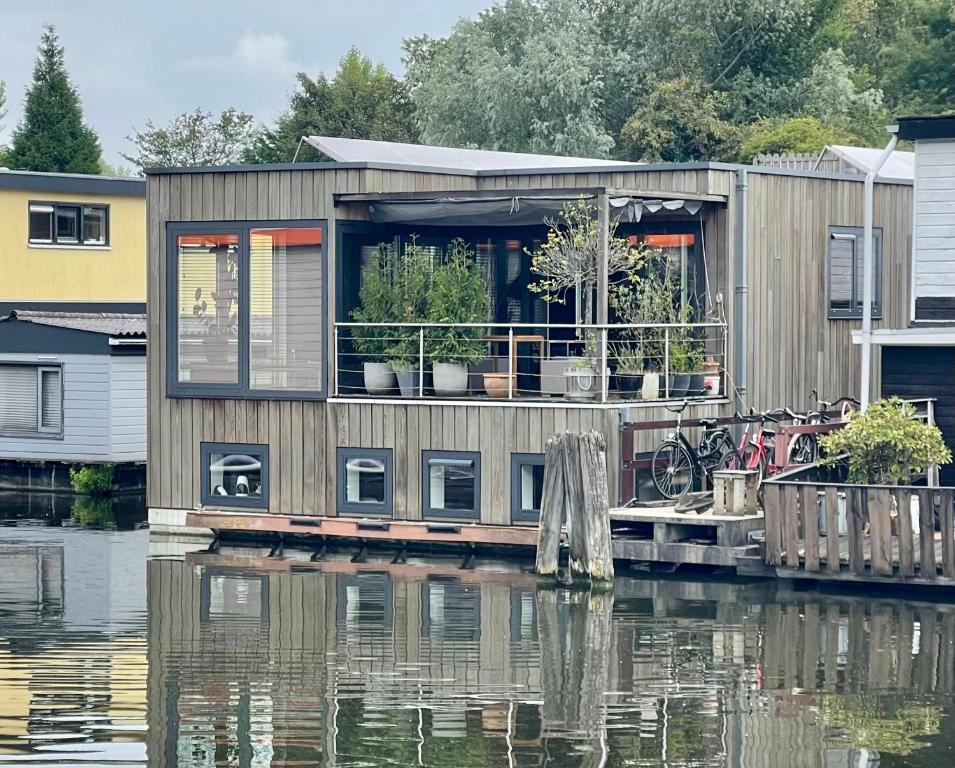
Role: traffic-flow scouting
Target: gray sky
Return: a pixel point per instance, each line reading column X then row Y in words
column 133, row 60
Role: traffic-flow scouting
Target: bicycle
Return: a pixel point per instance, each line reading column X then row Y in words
column 804, row 448
column 755, row 452
column 677, row 466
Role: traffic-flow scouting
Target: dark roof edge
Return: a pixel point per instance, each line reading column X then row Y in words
column 927, row 127
column 707, row 165
column 72, row 183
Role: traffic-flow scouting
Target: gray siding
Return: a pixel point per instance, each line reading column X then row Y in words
column 934, row 219
column 127, row 386
column 86, row 393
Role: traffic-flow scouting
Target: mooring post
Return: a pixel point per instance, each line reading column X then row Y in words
column 552, row 509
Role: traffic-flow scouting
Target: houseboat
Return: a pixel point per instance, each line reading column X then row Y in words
column 262, row 415
column 72, row 327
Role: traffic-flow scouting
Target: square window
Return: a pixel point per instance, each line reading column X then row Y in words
column 235, row 474
column 527, row 486
column 31, row 400
column 67, row 225
column 451, row 484
column 365, row 481
column 41, row 223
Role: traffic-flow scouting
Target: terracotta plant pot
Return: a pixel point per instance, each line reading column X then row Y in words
column 496, row 384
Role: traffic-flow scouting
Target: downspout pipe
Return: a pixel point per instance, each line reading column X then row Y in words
column 741, row 270
column 868, row 268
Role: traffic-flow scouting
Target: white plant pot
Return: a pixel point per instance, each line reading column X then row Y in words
column 582, row 383
column 379, row 378
column 651, row 386
column 450, row 379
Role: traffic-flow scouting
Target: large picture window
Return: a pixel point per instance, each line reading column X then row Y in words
column 451, row 484
column 845, row 262
column 31, row 400
column 246, row 309
column 235, row 474
column 70, row 224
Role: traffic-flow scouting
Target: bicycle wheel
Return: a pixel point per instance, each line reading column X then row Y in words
column 803, row 449
column 747, row 458
column 672, row 469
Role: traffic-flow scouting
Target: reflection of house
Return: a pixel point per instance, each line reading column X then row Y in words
column 72, row 388
column 256, row 272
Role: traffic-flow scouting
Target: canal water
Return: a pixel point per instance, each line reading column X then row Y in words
column 110, row 656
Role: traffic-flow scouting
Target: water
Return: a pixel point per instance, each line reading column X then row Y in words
column 110, row 658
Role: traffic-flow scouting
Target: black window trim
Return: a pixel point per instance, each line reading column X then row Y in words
column 366, row 508
column 427, row 512
column 79, row 206
column 207, row 449
column 39, row 433
column 855, row 313
column 242, row 389
column 518, row 460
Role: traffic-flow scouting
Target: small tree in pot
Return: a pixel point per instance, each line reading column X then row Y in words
column 412, row 282
column 885, row 445
column 379, row 303
column 458, row 294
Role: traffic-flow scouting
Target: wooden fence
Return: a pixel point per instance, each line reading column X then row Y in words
column 885, row 533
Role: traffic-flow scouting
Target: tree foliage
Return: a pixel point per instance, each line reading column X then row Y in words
column 52, row 136
column 193, row 138
column 362, row 101
column 793, row 135
column 885, row 445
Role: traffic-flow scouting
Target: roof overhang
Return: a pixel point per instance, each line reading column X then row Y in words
column 927, row 127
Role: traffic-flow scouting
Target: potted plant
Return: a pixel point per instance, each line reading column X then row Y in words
column 569, row 260
column 412, row 280
column 680, row 365
column 696, row 365
column 458, row 295
column 629, row 371
column 378, row 304
column 220, row 325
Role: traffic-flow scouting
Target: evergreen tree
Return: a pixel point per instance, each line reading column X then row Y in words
column 52, row 136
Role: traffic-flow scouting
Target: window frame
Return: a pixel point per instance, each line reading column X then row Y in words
column 366, row 508
column 518, row 460
column 427, row 511
column 42, row 433
column 242, row 389
column 206, row 449
column 878, row 243
column 79, row 207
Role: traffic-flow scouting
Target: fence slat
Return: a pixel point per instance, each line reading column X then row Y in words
column 810, row 526
column 833, row 554
column 854, row 524
column 772, row 504
column 903, row 499
column 927, row 533
column 948, row 534
column 790, row 525
column 880, row 531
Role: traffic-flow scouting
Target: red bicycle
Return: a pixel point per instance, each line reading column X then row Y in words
column 755, row 450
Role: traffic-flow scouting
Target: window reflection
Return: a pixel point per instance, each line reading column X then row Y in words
column 452, row 484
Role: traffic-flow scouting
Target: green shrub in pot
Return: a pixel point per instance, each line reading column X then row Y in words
column 378, row 303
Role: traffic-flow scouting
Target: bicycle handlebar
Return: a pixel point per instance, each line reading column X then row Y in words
column 680, row 409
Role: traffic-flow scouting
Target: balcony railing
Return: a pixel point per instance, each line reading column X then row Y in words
column 595, row 363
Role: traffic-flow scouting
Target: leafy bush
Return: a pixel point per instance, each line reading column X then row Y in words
column 885, row 445
column 93, row 480
column 378, row 304
column 458, row 295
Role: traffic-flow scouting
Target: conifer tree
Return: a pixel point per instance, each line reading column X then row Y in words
column 52, row 136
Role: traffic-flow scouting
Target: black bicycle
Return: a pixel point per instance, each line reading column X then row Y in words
column 677, row 466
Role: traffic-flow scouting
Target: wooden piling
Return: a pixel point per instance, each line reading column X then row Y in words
column 552, row 509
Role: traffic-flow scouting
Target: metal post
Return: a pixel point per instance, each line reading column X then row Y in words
column 337, row 360
column 603, row 259
column 421, row 362
column 666, row 363
column 510, row 363
column 604, row 368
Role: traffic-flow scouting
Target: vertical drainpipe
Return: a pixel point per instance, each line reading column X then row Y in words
column 740, row 318
column 868, row 269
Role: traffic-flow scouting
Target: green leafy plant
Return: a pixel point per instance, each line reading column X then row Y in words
column 458, row 294
column 412, row 281
column 93, row 479
column 379, row 303
column 885, row 445
column 93, row 512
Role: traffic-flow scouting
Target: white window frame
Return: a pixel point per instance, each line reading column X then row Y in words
column 39, row 430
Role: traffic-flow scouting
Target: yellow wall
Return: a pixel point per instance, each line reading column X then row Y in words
column 58, row 273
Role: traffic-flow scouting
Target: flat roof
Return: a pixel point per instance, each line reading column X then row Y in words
column 915, row 127
column 72, row 183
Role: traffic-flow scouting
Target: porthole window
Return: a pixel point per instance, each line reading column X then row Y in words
column 451, row 484
column 365, row 481
column 235, row 474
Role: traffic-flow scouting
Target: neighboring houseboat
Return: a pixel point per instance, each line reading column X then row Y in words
column 259, row 417
column 918, row 351
column 72, row 327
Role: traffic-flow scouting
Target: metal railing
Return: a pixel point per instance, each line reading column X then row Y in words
column 597, row 363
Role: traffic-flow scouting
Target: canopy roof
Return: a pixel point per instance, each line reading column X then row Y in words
column 421, row 156
column 900, row 165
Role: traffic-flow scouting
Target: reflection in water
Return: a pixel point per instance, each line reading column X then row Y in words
column 122, row 511
column 258, row 662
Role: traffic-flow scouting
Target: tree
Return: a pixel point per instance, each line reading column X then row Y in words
column 680, row 120
column 794, row 135
column 52, row 136
column 362, row 101
column 524, row 76
column 193, row 138
column 3, row 102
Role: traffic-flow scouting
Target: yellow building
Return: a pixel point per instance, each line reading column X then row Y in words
column 72, row 242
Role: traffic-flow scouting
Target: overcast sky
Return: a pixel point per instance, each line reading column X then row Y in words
column 134, row 60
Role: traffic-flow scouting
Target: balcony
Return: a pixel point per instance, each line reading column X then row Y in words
column 524, row 362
